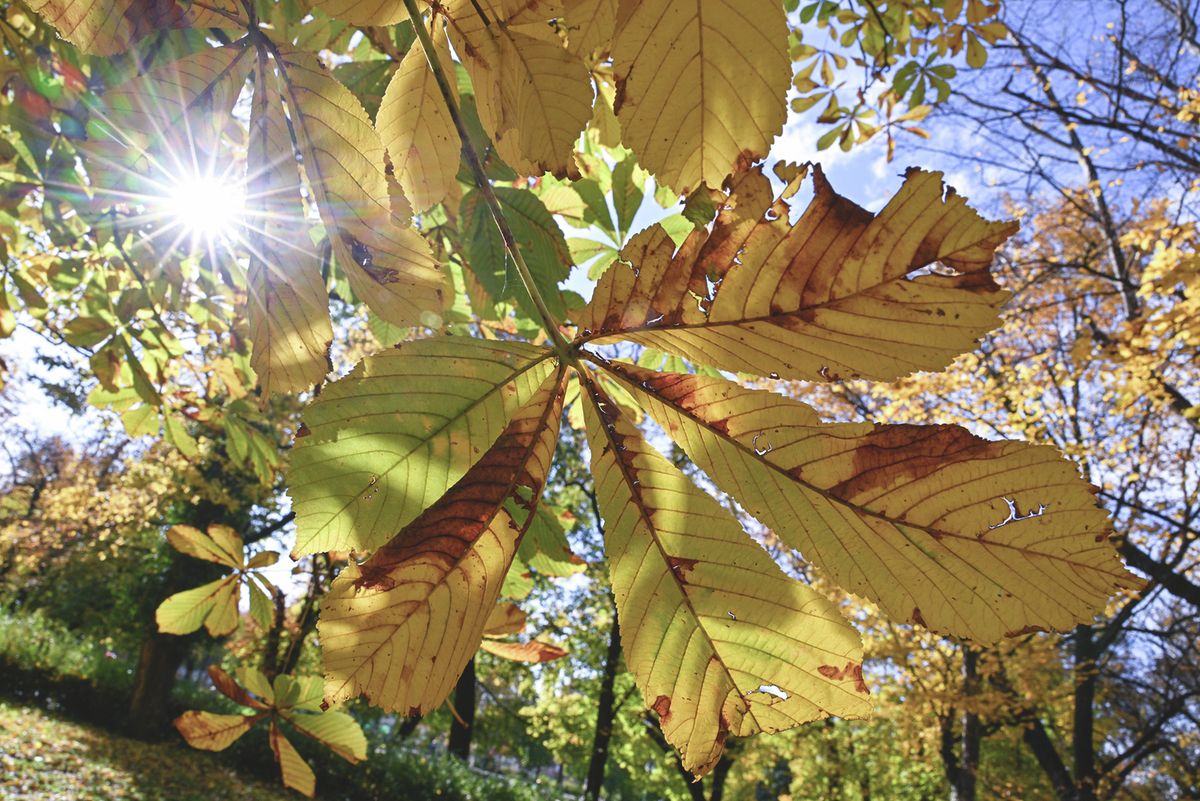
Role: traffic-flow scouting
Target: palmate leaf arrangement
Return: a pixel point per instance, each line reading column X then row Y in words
column 429, row 458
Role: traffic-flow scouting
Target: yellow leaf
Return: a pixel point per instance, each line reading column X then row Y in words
column 720, row 641
column 263, row 559
column 108, row 27
column 234, row 691
column 506, row 618
column 212, row 732
column 403, row 427
column 417, row 131
column 295, row 771
column 389, row 267
column 166, row 121
column 213, row 605
column 590, row 26
column 221, row 544
column 604, row 121
column 401, row 627
column 828, row 298
column 364, row 12
column 337, row 731
column 288, row 307
column 257, row 683
column 941, row 528
column 701, row 85
column 531, row 652
column 534, row 97
column 299, row 692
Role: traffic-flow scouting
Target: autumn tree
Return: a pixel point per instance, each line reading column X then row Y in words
column 427, row 462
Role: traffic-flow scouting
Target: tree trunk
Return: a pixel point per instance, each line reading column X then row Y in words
column 161, row 655
column 1083, row 733
column 1043, row 749
column 719, row 774
column 150, row 704
column 968, row 764
column 463, row 723
column 604, row 714
column 833, row 761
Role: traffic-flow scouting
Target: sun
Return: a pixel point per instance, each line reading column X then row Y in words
column 207, row 207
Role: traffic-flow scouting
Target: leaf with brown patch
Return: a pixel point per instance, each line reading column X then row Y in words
column 108, row 27
column 706, row 616
column 904, row 515
column 401, row 627
column 841, row 294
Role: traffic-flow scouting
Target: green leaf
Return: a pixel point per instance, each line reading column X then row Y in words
column 402, row 428
column 538, row 236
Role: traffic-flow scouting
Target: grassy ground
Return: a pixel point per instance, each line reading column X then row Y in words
column 44, row 758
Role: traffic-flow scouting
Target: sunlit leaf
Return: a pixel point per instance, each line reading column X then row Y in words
column 416, row 128
column 532, row 652
column 841, row 294
column 707, row 618
column 389, row 267
column 107, row 27
column 295, row 771
column 212, row 732
column 700, row 85
column 337, row 731
column 401, row 627
column 506, row 618
column 533, row 96
column 964, row 536
column 288, row 306
column 221, row 544
column 402, row 428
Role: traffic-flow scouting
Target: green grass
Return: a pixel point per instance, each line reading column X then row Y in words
column 45, row 757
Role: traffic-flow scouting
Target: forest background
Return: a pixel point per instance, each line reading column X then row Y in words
column 1079, row 119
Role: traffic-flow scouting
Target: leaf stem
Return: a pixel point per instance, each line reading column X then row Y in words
column 485, row 186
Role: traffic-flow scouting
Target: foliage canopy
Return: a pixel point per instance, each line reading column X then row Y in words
column 428, row 460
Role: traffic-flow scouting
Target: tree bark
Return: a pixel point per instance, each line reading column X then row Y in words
column 604, row 714
column 968, row 767
column 161, row 655
column 150, row 704
column 719, row 775
column 464, row 722
column 1043, row 749
column 1083, row 733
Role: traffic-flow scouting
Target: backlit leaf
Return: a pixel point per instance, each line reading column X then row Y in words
column 707, row 618
column 590, row 26
column 401, row 627
column 337, row 731
column 166, row 123
column 417, row 130
column 221, row 544
column 841, row 294
column 401, row 429
column 389, row 267
column 545, row 548
column 288, row 307
column 295, row 771
column 107, row 27
column 212, row 605
column 506, row 618
column 532, row 652
column 533, row 96
column 964, row 536
column 701, row 85
column 212, row 732
column 364, row 12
